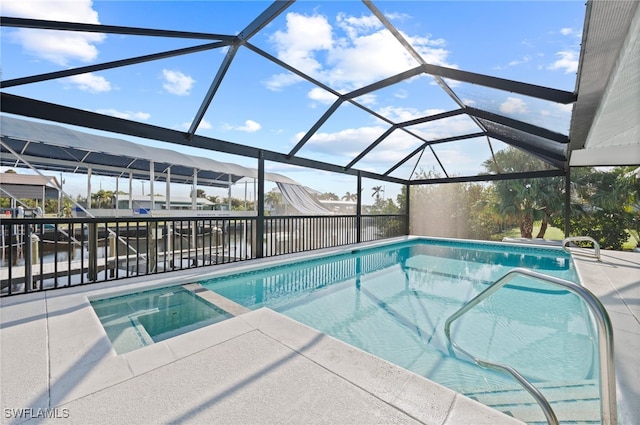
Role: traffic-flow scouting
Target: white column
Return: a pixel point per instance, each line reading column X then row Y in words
column 152, row 177
column 229, row 192
column 117, row 194
column 60, row 198
column 194, row 193
column 167, row 194
column 89, row 187
column 255, row 195
column 130, row 190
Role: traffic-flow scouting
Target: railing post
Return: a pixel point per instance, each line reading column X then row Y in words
column 152, row 245
column 567, row 203
column 92, row 245
column 259, row 248
column 407, row 206
column 30, row 256
column 112, row 244
column 359, row 209
column 168, row 258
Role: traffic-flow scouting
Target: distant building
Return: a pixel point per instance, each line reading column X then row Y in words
column 340, row 207
column 28, row 186
column 177, row 203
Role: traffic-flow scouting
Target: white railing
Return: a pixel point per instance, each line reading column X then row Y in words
column 596, row 246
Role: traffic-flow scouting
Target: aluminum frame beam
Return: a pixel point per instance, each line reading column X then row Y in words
column 213, row 88
column 28, row 107
column 518, row 125
column 492, row 177
column 429, row 143
column 269, row 14
column 109, row 171
column 401, row 125
column 107, row 29
column 525, row 89
column 548, row 150
column 256, row 25
column 315, row 127
column 109, row 65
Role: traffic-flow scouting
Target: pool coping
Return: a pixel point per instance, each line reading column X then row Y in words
column 60, row 355
column 84, row 371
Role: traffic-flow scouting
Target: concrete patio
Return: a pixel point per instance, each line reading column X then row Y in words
column 258, row 367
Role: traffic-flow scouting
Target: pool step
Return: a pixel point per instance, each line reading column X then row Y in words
column 575, row 402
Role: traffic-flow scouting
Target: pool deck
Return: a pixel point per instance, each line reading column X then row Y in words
column 615, row 280
column 256, row 368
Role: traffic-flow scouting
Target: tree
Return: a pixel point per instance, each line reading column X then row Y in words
column 525, row 200
column 376, row 192
column 102, row 198
column 328, row 196
column 442, row 210
column 200, row 193
column 273, row 198
column 605, row 205
column 350, row 197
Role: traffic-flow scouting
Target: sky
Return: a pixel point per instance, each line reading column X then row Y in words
column 339, row 43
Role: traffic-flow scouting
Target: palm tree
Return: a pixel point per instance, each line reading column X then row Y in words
column 376, row 192
column 526, row 199
column 273, row 198
column 350, row 197
column 102, row 198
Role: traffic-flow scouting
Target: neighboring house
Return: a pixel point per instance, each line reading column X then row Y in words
column 16, row 186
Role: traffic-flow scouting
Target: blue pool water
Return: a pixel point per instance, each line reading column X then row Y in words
column 134, row 321
column 393, row 301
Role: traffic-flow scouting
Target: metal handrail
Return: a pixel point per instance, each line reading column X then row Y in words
column 608, row 408
column 596, row 245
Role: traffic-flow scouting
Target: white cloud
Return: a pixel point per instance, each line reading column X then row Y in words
column 278, row 81
column 355, row 26
column 524, row 59
column 90, row 82
column 129, row 115
column 397, row 16
column 566, row 109
column 514, row 105
column 572, row 32
column 304, row 36
column 175, row 82
column 401, row 94
column 399, row 114
column 322, row 96
column 368, row 99
column 249, row 126
column 568, row 62
column 355, row 52
column 204, row 125
column 349, row 142
column 59, row 47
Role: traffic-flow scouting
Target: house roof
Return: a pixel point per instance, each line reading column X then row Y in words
column 61, row 149
column 27, row 186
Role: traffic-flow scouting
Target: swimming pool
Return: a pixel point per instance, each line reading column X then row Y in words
column 134, row 321
column 392, row 301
